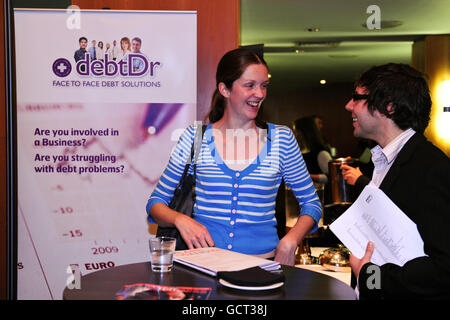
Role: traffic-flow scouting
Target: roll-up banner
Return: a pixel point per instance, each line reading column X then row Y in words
column 102, row 97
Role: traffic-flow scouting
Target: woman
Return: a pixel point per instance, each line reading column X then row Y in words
column 314, row 150
column 240, row 167
column 108, row 51
column 125, row 48
column 100, row 52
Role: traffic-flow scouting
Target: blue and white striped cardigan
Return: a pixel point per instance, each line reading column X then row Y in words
column 238, row 207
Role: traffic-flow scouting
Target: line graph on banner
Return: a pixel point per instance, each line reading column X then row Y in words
column 122, row 157
column 81, row 221
column 93, row 220
column 103, row 195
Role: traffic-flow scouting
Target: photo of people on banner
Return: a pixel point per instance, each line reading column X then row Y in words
column 98, row 52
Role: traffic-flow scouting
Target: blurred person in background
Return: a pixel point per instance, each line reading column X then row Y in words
column 319, row 123
column 316, row 153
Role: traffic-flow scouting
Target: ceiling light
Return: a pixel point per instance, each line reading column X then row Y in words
column 269, row 76
column 323, row 81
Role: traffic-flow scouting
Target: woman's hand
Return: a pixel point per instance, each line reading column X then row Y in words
column 285, row 253
column 193, row 233
column 350, row 174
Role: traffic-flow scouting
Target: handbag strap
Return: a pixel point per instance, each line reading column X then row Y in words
column 195, row 150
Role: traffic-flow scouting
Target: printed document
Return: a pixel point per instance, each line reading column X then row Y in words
column 212, row 260
column 374, row 217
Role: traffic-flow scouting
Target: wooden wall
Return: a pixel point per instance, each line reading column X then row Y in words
column 327, row 101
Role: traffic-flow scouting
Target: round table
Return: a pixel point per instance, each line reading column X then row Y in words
column 300, row 284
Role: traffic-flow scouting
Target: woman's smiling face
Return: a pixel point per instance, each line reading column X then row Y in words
column 248, row 92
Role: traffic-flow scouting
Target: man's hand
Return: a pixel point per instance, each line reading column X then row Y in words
column 350, row 174
column 357, row 264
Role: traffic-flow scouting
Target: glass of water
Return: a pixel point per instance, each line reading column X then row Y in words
column 161, row 251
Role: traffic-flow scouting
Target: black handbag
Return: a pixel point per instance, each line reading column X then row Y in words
column 184, row 195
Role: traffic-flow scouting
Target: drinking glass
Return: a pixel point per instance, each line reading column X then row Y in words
column 161, row 252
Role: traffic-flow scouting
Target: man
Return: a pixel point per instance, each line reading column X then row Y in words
column 80, row 53
column 391, row 106
column 115, row 50
column 92, row 50
column 138, row 64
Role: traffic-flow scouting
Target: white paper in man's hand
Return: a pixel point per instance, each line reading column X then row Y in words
column 374, row 217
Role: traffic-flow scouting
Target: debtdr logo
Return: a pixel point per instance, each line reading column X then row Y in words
column 62, row 67
column 132, row 65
